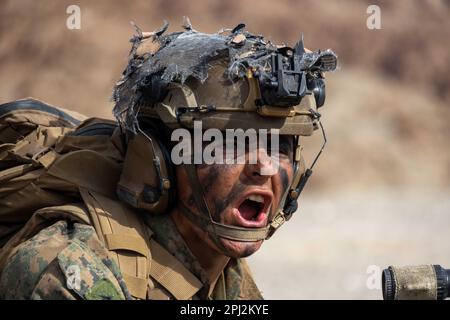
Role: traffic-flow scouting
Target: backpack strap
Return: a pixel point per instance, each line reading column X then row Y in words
column 171, row 274
column 139, row 257
column 125, row 236
column 36, row 149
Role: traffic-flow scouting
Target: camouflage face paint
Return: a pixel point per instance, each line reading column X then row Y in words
column 284, row 178
column 213, row 174
column 221, row 204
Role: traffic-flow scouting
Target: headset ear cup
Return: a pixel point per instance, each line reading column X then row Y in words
column 146, row 181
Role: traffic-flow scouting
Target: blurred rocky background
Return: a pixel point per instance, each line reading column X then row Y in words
column 380, row 192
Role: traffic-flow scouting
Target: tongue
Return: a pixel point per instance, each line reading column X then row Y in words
column 248, row 209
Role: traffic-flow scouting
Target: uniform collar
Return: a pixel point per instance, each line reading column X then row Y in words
column 166, row 234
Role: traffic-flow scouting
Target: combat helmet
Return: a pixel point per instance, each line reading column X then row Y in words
column 230, row 79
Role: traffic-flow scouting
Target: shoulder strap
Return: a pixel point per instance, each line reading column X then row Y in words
column 124, row 236
column 139, row 257
column 171, row 274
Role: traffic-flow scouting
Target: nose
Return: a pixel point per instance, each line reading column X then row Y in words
column 261, row 164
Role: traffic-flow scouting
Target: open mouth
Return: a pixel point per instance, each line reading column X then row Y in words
column 253, row 209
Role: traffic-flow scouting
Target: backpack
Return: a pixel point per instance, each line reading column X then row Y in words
column 28, row 130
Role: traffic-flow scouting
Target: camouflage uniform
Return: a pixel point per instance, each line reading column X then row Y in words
column 236, row 277
column 40, row 268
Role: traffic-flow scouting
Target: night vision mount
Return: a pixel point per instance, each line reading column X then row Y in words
column 294, row 73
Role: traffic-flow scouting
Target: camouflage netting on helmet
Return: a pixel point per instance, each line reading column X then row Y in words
column 157, row 60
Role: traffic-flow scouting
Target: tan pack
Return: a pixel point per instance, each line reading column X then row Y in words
column 53, row 167
column 28, row 130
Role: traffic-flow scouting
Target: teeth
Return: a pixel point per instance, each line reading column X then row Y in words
column 256, row 198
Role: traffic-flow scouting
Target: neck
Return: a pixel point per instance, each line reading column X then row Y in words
column 211, row 260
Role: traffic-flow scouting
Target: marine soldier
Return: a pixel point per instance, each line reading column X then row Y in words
column 101, row 209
